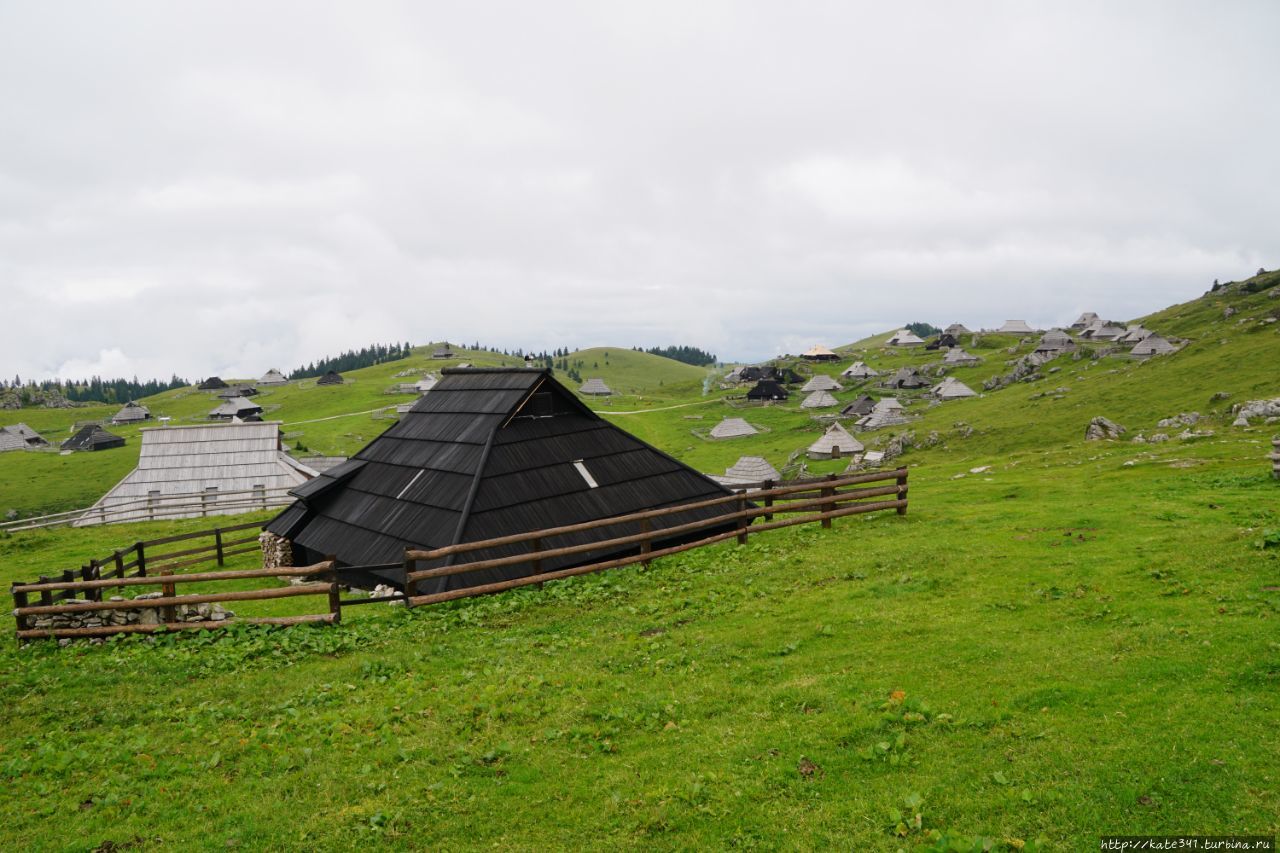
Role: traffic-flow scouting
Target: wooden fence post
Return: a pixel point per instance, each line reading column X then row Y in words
column 535, row 545
column 335, row 602
column 827, row 492
column 119, row 561
column 647, row 545
column 768, row 500
column 168, row 613
column 217, row 544
column 742, row 522
column 902, row 491
column 142, row 559
column 410, row 587
column 20, row 601
column 1275, row 458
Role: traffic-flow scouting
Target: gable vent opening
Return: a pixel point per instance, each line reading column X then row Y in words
column 586, row 475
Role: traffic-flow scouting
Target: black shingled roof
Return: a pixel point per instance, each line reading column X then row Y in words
column 93, row 437
column 767, row 389
column 488, row 453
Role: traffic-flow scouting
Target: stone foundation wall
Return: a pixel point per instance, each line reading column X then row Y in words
column 140, row 616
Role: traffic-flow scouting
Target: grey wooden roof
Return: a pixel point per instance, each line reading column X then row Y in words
column 859, row 370
column 236, row 407
column 1055, row 339
column 426, row 383
column 19, row 436
column 876, row 420
column 1016, row 327
column 1085, row 320
column 957, row 355
column 822, row 382
column 595, row 386
column 905, row 338
column 130, row 413
column 732, row 428
column 819, row 400
column 750, row 469
column 861, row 406
column 188, row 460
column 272, row 377
column 1152, row 345
column 835, row 436
column 957, row 329
column 952, row 389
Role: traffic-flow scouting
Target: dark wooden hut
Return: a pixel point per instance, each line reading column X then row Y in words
column 330, row 378
column 213, row 383
column 489, row 452
column 768, row 389
column 93, row 437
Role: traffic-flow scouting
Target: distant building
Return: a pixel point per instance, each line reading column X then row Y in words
column 20, row 437
column 272, row 377
column 92, row 437
column 595, row 387
column 131, row 413
column 330, row 378
column 819, row 353
column 905, row 338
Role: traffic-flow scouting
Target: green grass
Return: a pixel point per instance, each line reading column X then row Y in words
column 1082, row 646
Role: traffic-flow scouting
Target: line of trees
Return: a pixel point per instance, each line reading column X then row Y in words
column 686, row 354
column 923, row 330
column 50, row 392
column 354, row 359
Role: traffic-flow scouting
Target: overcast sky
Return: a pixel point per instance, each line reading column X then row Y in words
column 227, row 187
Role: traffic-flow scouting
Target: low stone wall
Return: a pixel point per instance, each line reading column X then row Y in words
column 1275, row 458
column 140, row 616
column 277, row 552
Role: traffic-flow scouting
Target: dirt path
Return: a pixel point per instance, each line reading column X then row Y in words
column 657, row 408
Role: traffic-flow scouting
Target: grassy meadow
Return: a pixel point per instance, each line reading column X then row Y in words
column 1080, row 639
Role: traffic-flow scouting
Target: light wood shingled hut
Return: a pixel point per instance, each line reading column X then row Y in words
column 905, row 338
column 236, row 407
column 821, row 382
column 859, row 370
column 952, row 389
column 595, row 387
column 1085, row 320
column 272, row 377
column 20, row 437
column 1152, row 345
column 956, row 330
column 834, row 443
column 1055, row 341
column 732, row 428
column 1015, row 327
column 749, row 470
column 819, row 353
column 959, row 358
column 131, row 413
column 819, row 400
column 200, row 465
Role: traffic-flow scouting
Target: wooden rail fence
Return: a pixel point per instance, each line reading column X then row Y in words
column 633, row 538
column 159, row 508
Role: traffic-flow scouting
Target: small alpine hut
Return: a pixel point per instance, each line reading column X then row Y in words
column 952, row 389
column 905, row 378
column 237, row 391
column 767, row 389
column 819, row 400
column 236, row 407
column 272, row 377
column 20, row 437
column 749, row 471
column 943, row 341
column 595, row 387
column 1106, row 333
column 131, row 413
column 490, row 452
column 822, row 382
column 1151, row 345
column 444, row 351
column 1133, row 335
column 213, row 383
column 1085, row 320
column 905, row 338
column 859, row 407
column 959, row 358
column 883, row 415
column 955, row 330
column 331, row 378
column 834, row 443
column 859, row 370
column 1015, row 327
column 818, row 352
column 1055, row 341
column 93, row 437
column 188, row 471
column 426, row 383
column 732, row 428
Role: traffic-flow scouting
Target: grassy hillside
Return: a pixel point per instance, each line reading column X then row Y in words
column 1079, row 639
column 639, row 374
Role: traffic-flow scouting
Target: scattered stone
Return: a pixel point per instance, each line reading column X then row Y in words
column 1184, row 419
column 1158, row 437
column 1240, row 421
column 1101, row 428
column 1226, row 312
column 981, row 469
column 1220, row 396
column 1129, row 464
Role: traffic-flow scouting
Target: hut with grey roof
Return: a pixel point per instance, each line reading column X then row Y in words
column 1133, row 334
column 905, row 338
column 1015, row 327
column 749, row 470
column 880, row 419
column 859, row 407
column 187, row 471
column 237, row 391
column 131, row 413
column 952, row 389
column 272, row 377
column 906, row 378
column 92, row 437
column 957, row 357
column 1152, row 345
column 1055, row 341
column 732, row 428
column 19, row 436
column 236, row 407
column 595, row 387
column 819, row 400
column 444, row 351
column 821, row 382
column 859, row 370
column 426, row 383
column 1085, row 320
column 956, row 330
column 834, row 443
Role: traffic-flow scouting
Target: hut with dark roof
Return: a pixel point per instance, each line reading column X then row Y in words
column 859, row 407
column 943, row 340
column 213, row 383
column 131, row 413
column 490, row 452
column 330, row 378
column 859, row 370
column 237, row 391
column 236, row 407
column 768, row 389
column 93, row 437
column 906, row 377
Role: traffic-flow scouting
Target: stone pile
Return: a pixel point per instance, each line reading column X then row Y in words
column 277, row 552
column 1025, row 369
column 1184, row 419
column 1101, row 428
column 1264, row 409
column 139, row 616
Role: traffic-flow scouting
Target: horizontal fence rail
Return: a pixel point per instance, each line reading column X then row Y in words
column 159, row 508
column 629, row 539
